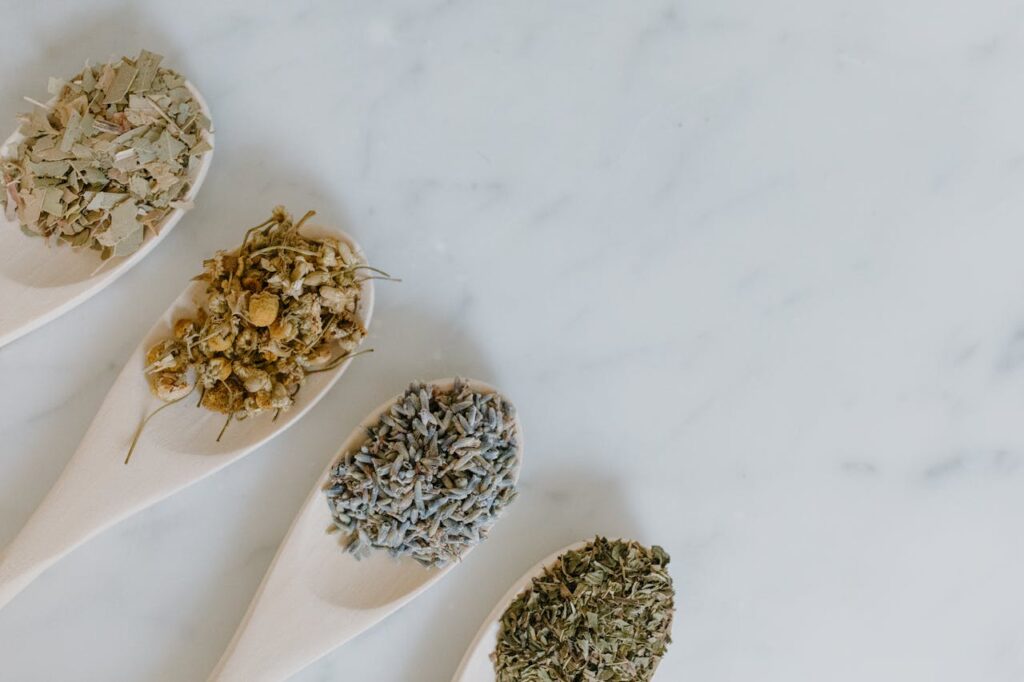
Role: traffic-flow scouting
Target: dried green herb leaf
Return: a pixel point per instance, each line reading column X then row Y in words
column 35, row 123
column 148, row 63
column 33, row 206
column 118, row 129
column 131, row 243
column 139, row 186
column 50, row 169
column 602, row 612
column 88, row 80
column 201, row 147
column 52, row 202
column 86, row 126
column 94, row 176
column 72, row 132
column 123, row 223
column 80, row 239
column 104, row 201
column 125, row 74
column 168, row 148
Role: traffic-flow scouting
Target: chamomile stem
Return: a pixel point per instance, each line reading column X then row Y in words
column 256, row 228
column 138, row 434
column 386, row 279
column 303, row 219
column 225, row 427
column 281, row 247
column 337, row 361
column 364, row 266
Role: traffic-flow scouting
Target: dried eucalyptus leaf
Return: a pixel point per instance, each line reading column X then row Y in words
column 148, row 64
column 139, row 186
column 52, row 201
column 104, row 201
column 201, row 147
column 88, row 80
column 72, row 132
column 122, row 81
column 50, row 169
column 131, row 243
column 123, row 223
column 104, row 138
column 33, row 206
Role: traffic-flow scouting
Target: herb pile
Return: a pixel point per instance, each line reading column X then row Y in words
column 279, row 308
column 600, row 613
column 432, row 476
column 109, row 158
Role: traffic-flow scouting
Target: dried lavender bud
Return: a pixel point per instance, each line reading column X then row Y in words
column 602, row 612
column 109, row 158
column 432, row 477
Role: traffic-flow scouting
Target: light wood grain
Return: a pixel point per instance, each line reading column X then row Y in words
column 179, row 447
column 40, row 282
column 315, row 595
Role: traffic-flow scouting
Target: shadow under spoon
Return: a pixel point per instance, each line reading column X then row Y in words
column 177, row 448
column 316, row 596
column 40, row 282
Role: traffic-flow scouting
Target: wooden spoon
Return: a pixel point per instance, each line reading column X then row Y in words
column 315, row 595
column 177, row 448
column 38, row 282
column 476, row 665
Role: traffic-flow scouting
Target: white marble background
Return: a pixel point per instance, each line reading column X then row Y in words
column 754, row 273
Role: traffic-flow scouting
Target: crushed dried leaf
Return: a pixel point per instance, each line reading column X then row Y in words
column 601, row 613
column 105, row 162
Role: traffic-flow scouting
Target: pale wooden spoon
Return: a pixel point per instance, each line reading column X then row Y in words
column 38, row 282
column 177, row 448
column 476, row 665
column 316, row 596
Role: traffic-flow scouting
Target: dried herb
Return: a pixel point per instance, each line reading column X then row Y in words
column 109, row 158
column 432, row 476
column 599, row 613
column 279, row 308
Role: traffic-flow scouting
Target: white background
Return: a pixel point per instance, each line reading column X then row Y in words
column 753, row 273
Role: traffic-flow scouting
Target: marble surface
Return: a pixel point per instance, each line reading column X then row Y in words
column 751, row 271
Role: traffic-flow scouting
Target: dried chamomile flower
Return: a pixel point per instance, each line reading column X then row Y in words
column 601, row 612
column 432, row 477
column 113, row 153
column 266, row 324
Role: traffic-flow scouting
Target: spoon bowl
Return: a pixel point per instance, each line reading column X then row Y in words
column 316, row 596
column 476, row 665
column 177, row 448
column 39, row 282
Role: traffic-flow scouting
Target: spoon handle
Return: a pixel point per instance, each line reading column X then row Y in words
column 97, row 489
column 288, row 625
column 305, row 606
column 291, row 623
column 62, row 522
